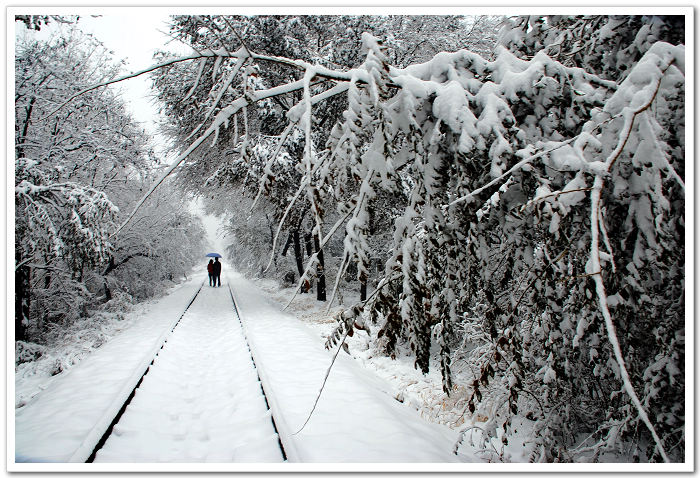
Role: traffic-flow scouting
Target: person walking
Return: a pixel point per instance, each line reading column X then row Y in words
column 210, row 270
column 217, row 271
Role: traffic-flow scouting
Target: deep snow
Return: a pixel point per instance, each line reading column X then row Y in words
column 373, row 414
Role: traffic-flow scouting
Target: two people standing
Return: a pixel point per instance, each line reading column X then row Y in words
column 214, row 270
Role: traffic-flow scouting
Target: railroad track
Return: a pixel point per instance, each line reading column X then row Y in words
column 201, row 399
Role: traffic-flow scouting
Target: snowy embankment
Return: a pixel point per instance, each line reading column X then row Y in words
column 420, row 391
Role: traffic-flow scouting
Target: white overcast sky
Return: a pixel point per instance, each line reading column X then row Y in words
column 134, row 38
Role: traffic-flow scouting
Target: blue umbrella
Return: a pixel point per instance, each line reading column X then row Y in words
column 213, row 254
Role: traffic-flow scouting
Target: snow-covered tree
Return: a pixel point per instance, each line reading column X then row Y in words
column 35, row 22
column 159, row 246
column 269, row 148
column 539, row 245
column 62, row 219
column 76, row 168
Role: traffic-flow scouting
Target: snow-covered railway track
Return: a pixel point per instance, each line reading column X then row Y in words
column 200, row 400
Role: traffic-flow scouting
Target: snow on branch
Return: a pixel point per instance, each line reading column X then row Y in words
column 204, row 54
column 434, row 136
column 640, row 89
column 221, row 119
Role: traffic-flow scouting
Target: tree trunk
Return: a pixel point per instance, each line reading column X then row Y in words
column 272, row 238
column 22, row 301
column 23, row 272
column 363, row 287
column 25, row 129
column 363, row 276
column 309, row 251
column 110, row 266
column 108, row 293
column 321, row 275
column 298, row 256
column 307, row 240
column 286, row 245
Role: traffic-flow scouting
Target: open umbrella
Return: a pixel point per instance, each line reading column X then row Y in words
column 213, row 254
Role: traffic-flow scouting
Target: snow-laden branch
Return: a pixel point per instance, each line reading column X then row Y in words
column 294, row 116
column 223, row 115
column 595, row 271
column 240, row 54
column 318, row 70
column 220, row 119
column 323, row 384
column 223, row 90
column 200, row 70
column 204, row 54
column 282, row 221
column 519, row 165
column 267, row 170
column 593, row 267
column 360, row 204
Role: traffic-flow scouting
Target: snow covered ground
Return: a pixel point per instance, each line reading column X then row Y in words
column 60, row 423
column 421, row 392
column 201, row 400
column 374, row 413
column 358, row 419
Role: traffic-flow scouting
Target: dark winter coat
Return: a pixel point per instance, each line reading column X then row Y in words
column 217, row 268
column 210, row 268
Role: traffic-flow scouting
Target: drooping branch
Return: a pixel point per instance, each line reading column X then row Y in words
column 281, row 223
column 112, row 265
column 204, row 54
column 594, row 267
column 220, row 95
column 220, row 119
column 242, row 53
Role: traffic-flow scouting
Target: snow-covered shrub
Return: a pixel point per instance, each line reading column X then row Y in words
column 27, row 351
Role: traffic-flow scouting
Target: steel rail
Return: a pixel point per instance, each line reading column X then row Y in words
column 108, row 431
column 87, row 444
column 257, row 371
